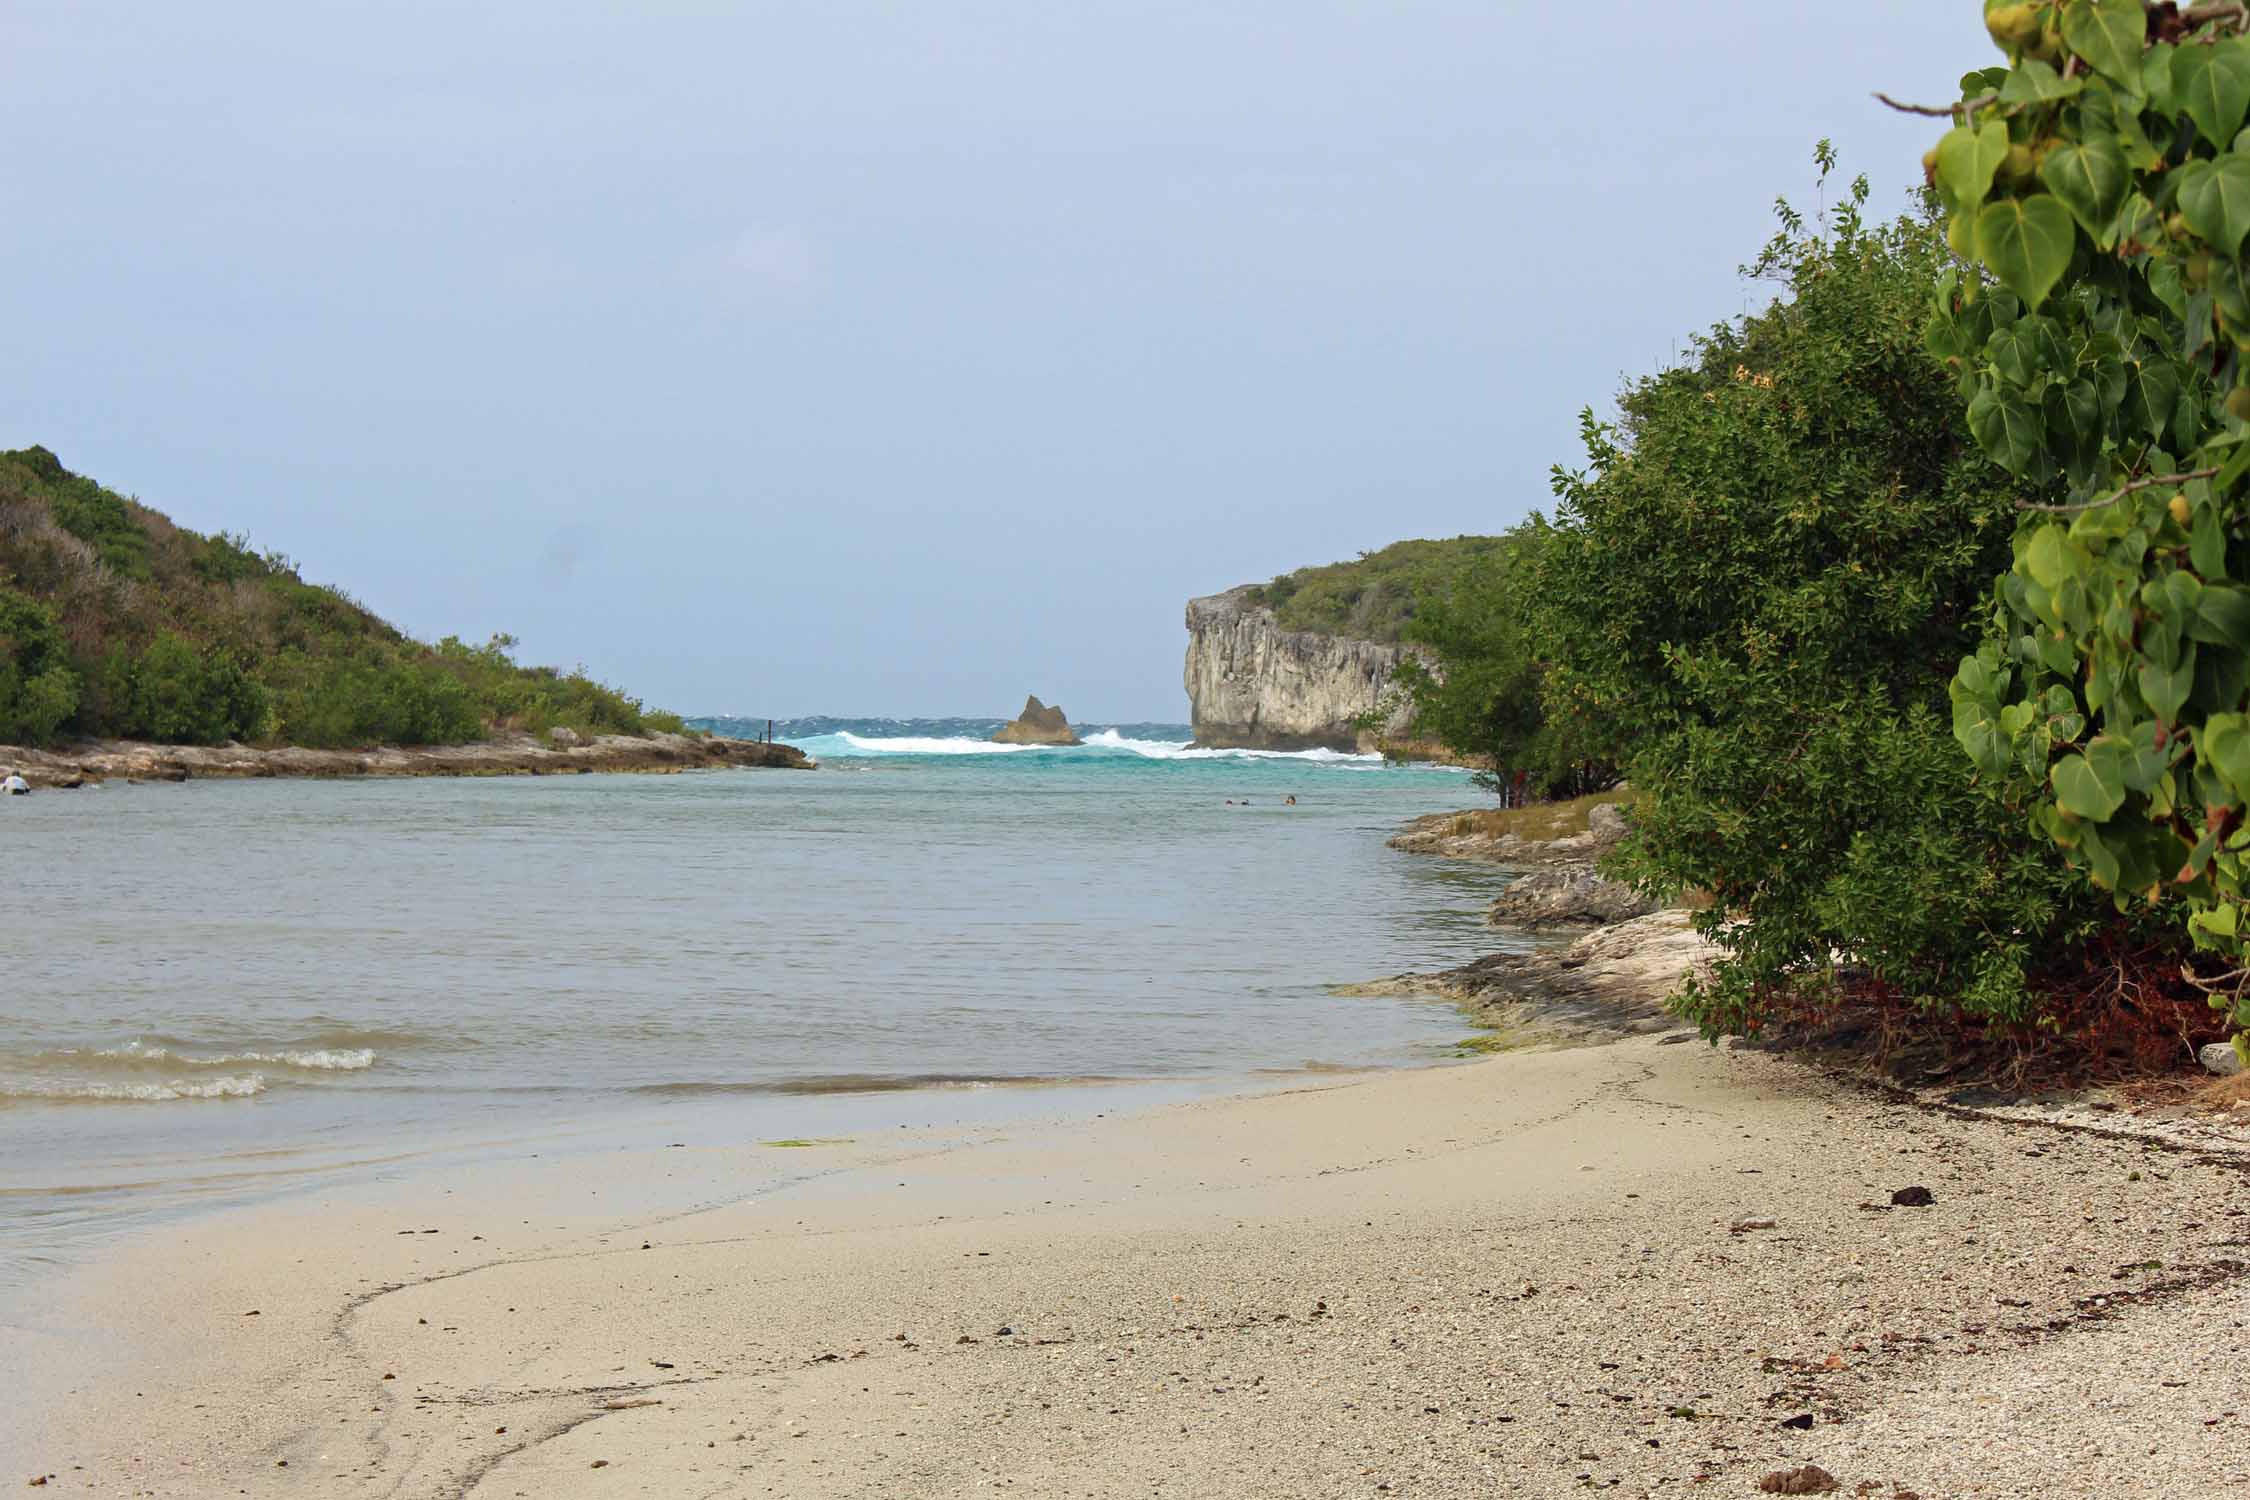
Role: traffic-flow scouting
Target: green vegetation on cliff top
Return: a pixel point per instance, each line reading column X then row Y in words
column 1373, row 598
column 114, row 622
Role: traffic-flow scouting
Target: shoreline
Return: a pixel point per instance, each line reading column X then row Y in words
column 90, row 762
column 1632, row 1265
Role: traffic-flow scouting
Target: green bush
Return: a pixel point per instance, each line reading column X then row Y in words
column 38, row 691
column 1373, row 598
column 1483, row 692
column 1756, row 597
column 179, row 694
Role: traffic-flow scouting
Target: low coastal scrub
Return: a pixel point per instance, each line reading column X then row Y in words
column 1376, row 596
column 116, row 623
column 1752, row 602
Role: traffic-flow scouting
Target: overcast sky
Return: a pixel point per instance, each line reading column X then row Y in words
column 838, row 357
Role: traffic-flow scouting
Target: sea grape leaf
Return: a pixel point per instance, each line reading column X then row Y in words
column 2027, row 243
column 2212, row 83
column 2215, row 196
column 1966, row 160
column 2224, row 614
column 2035, row 82
column 2165, row 687
column 2090, row 179
column 2090, row 785
column 2207, row 543
column 2223, row 746
column 2109, row 35
column 2008, row 428
column 2152, row 386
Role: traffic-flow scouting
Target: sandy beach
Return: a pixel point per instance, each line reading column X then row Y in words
column 1638, row 1267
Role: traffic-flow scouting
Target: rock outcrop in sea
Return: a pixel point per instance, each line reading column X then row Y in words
column 1037, row 725
column 1254, row 685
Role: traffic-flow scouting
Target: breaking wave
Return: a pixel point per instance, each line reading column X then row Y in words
column 142, row 1057
column 242, row 1087
column 1102, row 744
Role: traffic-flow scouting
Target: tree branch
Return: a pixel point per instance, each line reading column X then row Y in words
column 2138, row 484
column 1937, row 112
column 2196, row 15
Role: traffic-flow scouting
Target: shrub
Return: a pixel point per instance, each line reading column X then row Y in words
column 1483, row 693
column 1755, row 598
column 178, row 693
column 2103, row 350
column 38, row 691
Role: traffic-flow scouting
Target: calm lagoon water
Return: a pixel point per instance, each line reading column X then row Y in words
column 219, row 989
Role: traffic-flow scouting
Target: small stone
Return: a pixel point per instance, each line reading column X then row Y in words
column 1812, row 1479
column 1913, row 1197
column 1802, row 1421
column 2220, row 1058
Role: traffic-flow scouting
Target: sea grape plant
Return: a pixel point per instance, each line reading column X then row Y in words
column 2097, row 192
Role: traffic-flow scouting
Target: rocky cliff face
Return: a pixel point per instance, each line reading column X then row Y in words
column 1251, row 684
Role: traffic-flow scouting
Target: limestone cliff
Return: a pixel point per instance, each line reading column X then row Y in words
column 1252, row 684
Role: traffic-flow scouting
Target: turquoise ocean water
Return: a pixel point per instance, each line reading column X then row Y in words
column 223, row 989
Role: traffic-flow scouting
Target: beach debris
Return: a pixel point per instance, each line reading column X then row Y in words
column 661, row 1364
column 1916, row 1196
column 628, row 1403
column 1802, row 1421
column 253, row 1312
column 599, row 1463
column 1744, row 1226
column 1812, row 1479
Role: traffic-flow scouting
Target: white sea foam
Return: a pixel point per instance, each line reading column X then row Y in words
column 921, row 745
column 240, row 1087
column 314, row 1059
column 1110, row 739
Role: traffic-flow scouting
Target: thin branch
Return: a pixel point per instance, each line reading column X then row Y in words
column 2138, row 484
column 1938, row 112
column 2196, row 15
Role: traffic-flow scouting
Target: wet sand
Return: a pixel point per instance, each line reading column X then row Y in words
column 1640, row 1267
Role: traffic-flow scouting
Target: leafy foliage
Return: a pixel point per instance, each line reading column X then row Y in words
column 113, row 621
column 1752, row 600
column 1483, row 693
column 38, row 691
column 2099, row 187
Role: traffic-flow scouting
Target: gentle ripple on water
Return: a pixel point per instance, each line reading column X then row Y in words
column 227, row 982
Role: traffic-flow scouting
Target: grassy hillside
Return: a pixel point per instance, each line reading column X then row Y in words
column 115, row 622
column 1373, row 598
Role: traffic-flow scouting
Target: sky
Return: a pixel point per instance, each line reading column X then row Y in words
column 886, row 359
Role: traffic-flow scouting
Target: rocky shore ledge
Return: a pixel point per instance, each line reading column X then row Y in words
column 90, row 762
column 1612, row 980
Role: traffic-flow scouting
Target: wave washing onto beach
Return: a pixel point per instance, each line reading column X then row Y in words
column 140, row 1056
column 58, row 1092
